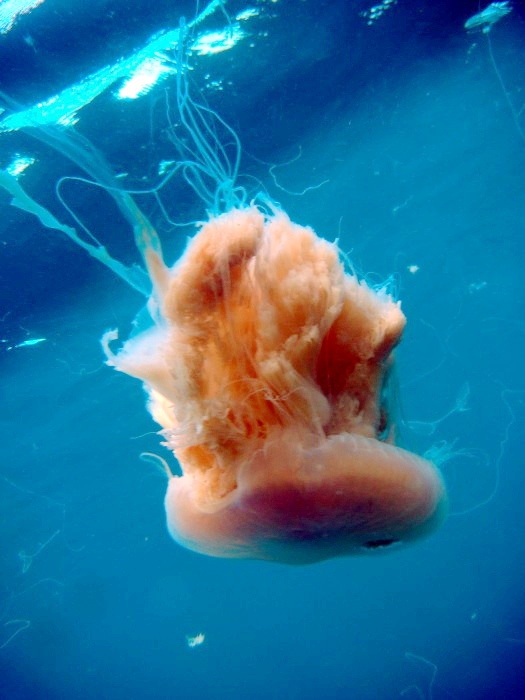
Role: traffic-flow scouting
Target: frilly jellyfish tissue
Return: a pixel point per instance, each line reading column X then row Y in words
column 267, row 367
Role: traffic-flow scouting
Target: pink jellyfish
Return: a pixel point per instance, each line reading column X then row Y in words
column 265, row 365
column 267, row 370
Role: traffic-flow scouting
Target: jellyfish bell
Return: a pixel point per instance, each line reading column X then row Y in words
column 297, row 503
column 267, row 373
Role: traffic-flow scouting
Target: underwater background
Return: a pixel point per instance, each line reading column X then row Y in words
column 389, row 128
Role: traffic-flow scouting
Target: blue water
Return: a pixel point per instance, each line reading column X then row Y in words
column 411, row 136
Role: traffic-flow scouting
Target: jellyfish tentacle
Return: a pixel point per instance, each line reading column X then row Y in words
column 158, row 461
column 133, row 275
column 205, row 156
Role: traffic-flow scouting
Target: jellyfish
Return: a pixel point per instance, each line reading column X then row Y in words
column 267, row 367
column 485, row 19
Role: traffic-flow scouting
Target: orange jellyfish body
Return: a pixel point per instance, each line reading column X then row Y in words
column 267, row 373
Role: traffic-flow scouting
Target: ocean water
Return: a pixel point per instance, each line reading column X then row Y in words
column 396, row 132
